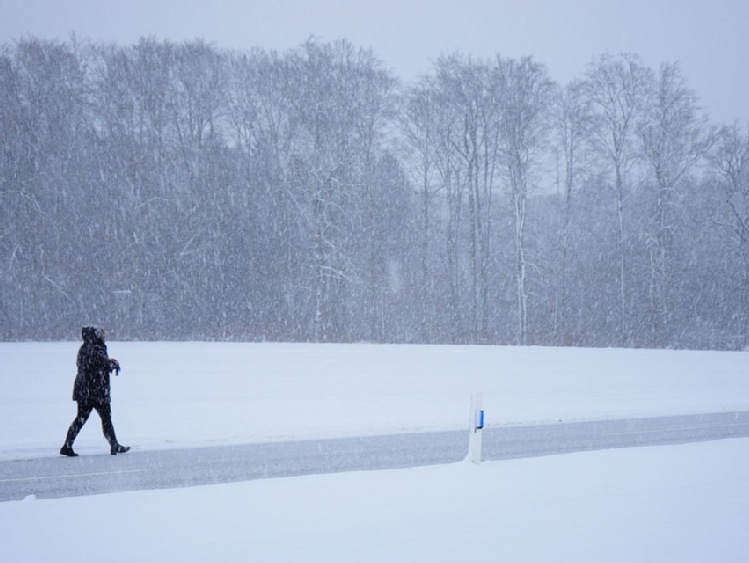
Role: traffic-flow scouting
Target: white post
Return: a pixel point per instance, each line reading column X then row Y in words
column 475, row 427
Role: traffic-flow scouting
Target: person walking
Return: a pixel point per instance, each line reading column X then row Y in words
column 92, row 389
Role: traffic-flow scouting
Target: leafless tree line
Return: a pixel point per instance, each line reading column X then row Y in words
column 185, row 191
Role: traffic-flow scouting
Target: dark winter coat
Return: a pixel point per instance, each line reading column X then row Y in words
column 94, row 367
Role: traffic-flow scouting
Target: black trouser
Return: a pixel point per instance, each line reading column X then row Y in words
column 84, row 410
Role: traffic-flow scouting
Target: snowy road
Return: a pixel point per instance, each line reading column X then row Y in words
column 55, row 477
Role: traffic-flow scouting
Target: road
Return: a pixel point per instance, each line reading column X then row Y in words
column 57, row 477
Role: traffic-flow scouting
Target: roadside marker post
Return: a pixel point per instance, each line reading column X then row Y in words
column 476, row 427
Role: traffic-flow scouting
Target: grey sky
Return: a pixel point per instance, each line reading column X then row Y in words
column 708, row 37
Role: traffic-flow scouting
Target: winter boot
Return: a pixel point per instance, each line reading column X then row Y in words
column 68, row 451
column 118, row 449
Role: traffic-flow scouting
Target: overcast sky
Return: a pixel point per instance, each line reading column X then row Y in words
column 709, row 37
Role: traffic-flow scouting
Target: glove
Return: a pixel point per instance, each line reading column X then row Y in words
column 114, row 366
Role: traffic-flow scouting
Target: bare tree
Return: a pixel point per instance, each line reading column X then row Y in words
column 420, row 129
column 731, row 160
column 617, row 88
column 339, row 97
column 267, row 230
column 573, row 122
column 448, row 165
column 49, row 176
column 468, row 96
column 525, row 105
column 674, row 138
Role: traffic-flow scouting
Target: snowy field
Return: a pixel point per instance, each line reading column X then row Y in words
column 679, row 503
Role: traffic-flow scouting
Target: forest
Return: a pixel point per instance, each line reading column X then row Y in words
column 181, row 191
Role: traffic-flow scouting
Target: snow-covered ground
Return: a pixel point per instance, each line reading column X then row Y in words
column 679, row 503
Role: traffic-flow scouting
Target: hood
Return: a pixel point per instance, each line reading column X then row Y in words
column 92, row 335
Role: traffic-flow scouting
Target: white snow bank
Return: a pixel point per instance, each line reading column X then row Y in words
column 687, row 503
column 196, row 394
